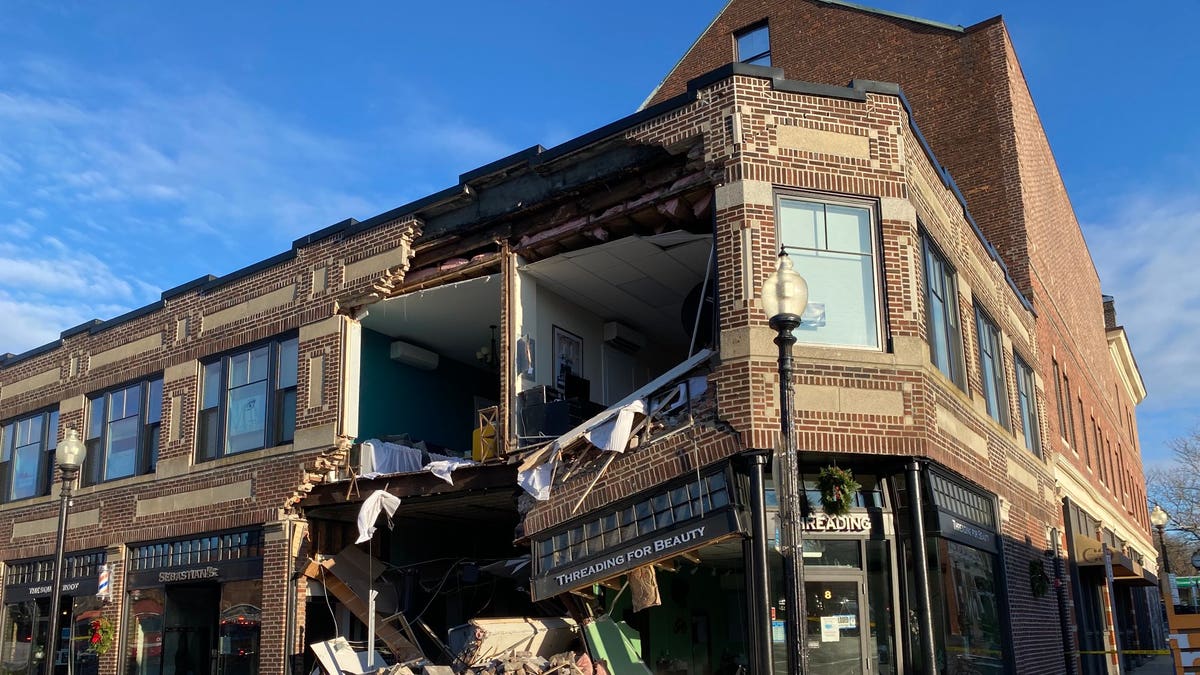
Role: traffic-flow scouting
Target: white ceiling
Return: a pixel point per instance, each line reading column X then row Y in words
column 640, row 281
column 451, row 320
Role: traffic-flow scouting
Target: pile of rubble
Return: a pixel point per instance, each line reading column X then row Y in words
column 526, row 663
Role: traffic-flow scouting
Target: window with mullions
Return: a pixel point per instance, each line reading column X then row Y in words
column 754, row 45
column 1027, row 404
column 991, row 368
column 209, row 549
column 248, row 400
column 941, row 303
column 691, row 500
column 832, row 245
column 122, row 432
column 27, row 456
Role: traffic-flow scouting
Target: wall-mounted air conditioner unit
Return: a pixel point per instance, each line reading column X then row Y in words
column 623, row 337
column 412, row 355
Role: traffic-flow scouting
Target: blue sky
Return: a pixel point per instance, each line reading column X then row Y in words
column 145, row 144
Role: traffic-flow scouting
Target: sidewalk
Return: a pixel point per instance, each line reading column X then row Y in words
column 1159, row 665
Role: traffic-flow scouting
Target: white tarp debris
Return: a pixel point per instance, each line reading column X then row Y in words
column 536, row 481
column 443, row 466
column 380, row 500
column 383, row 457
column 336, row 657
column 613, row 435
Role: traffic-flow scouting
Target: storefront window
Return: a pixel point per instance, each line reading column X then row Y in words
column 84, row 610
column 880, row 606
column 25, row 626
column 237, row 651
column 966, row 610
column 143, row 639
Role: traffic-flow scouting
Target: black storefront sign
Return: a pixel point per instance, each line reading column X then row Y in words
column 962, row 513
column 653, row 547
column 85, row 586
column 956, row 529
column 222, row 571
column 37, row 577
column 216, row 557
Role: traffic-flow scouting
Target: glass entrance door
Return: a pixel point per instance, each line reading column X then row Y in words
column 835, row 624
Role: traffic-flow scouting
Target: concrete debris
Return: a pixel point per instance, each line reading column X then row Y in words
column 526, row 663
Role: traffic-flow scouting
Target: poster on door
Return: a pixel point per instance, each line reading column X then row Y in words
column 831, row 630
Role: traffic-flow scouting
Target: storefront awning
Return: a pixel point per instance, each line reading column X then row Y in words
column 1089, row 555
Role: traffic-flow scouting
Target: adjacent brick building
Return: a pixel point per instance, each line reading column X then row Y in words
column 595, row 309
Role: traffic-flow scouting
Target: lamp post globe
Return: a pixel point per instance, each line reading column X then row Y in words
column 785, row 292
column 68, row 456
column 1158, row 517
column 70, row 452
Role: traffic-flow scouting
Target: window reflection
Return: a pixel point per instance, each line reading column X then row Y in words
column 967, row 614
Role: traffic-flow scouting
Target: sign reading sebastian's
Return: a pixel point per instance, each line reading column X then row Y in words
column 195, row 574
column 626, row 556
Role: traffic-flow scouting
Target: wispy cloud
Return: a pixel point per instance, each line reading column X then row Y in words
column 1147, row 253
column 116, row 186
column 1146, row 250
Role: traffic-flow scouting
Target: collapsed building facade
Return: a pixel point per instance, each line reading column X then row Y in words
column 560, row 374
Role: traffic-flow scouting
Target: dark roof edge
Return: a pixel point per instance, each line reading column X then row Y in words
column 947, row 179
column 246, row 271
column 323, row 233
column 81, row 328
column 36, row 351
column 127, row 316
column 954, row 28
column 187, row 286
column 511, row 161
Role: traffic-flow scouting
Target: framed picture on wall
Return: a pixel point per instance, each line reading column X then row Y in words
column 568, row 356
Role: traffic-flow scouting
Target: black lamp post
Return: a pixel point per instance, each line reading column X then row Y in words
column 69, row 457
column 784, row 296
column 1159, row 518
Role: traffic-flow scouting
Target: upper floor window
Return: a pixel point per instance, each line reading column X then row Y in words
column 248, row 400
column 122, row 432
column 754, row 45
column 1027, row 405
column 833, row 246
column 1070, row 412
column 991, row 368
column 1058, row 400
column 27, row 455
column 941, row 302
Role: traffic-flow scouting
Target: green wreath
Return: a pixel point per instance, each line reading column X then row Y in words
column 103, row 632
column 838, row 488
column 1039, row 581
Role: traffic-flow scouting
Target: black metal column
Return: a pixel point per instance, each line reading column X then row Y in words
column 68, row 480
column 920, row 561
column 788, row 487
column 762, row 662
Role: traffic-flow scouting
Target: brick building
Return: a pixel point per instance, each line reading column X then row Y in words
column 586, row 321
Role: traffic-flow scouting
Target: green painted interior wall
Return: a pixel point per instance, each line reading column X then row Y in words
column 436, row 406
column 701, row 620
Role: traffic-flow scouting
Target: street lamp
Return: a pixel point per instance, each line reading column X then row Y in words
column 69, row 457
column 784, row 297
column 1159, row 518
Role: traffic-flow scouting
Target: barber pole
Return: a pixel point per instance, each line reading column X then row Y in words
column 102, row 588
